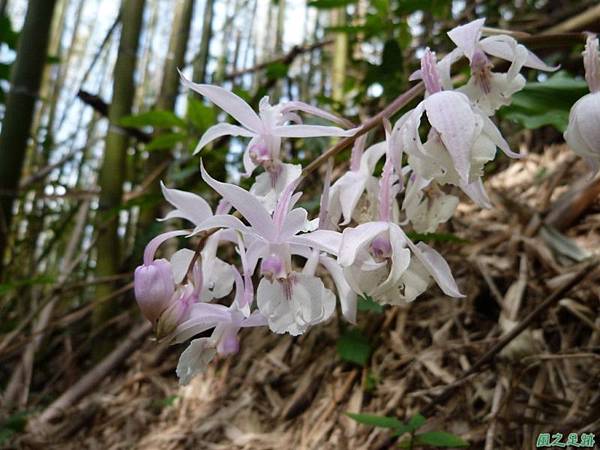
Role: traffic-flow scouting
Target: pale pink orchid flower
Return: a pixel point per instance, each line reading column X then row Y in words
column 218, row 279
column 491, row 90
column 291, row 301
column 583, row 131
column 486, row 89
column 461, row 140
column 267, row 128
column 226, row 323
column 380, row 261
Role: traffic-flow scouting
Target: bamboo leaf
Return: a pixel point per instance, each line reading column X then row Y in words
column 376, row 421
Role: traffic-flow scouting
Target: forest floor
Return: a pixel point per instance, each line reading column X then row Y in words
column 281, row 392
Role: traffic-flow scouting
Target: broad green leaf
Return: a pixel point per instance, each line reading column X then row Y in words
column 366, row 303
column 440, row 439
column 354, row 347
column 413, row 424
column 200, row 115
column 416, row 421
column 329, row 4
column 275, row 71
column 376, row 421
column 545, row 103
column 165, row 141
column 156, row 118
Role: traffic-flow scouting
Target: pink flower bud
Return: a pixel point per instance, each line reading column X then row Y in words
column 430, row 73
column 153, row 287
column 176, row 313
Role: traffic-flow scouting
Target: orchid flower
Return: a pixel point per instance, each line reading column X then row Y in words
column 224, row 340
column 490, row 90
column 426, row 206
column 461, row 139
column 583, row 132
column 265, row 128
column 291, row 301
column 218, row 280
column 347, row 191
column 380, row 261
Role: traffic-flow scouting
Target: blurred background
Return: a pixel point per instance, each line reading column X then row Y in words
column 94, row 116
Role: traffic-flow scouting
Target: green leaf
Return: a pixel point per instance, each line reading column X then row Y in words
column 330, row 4
column 276, row 71
column 366, row 303
column 416, row 421
column 7, row 34
column 413, row 424
column 545, row 103
column 376, row 421
column 354, row 347
column 440, row 439
column 165, row 141
column 156, row 118
column 200, row 115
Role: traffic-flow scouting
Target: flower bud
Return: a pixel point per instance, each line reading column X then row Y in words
column 583, row 132
column 176, row 313
column 153, row 287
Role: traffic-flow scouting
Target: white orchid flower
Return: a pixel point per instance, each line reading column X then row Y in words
column 266, row 128
column 283, row 293
column 380, row 261
column 224, row 339
column 426, row 206
column 583, row 131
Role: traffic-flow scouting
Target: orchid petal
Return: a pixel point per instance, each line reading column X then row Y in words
column 228, row 102
column 476, row 192
column 496, row 137
column 194, row 359
column 437, row 266
column 180, row 263
column 466, row 37
column 315, row 111
column 502, row 46
column 219, row 130
column 190, row 206
column 355, row 239
column 153, row 245
column 302, row 131
column 223, row 221
column 451, row 115
column 326, row 240
column 245, row 203
column 348, row 298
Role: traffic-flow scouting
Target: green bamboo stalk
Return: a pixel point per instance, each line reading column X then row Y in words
column 112, row 173
column 201, row 59
column 26, row 78
column 169, row 90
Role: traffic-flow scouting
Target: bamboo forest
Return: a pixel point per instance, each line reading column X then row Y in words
column 299, row 224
